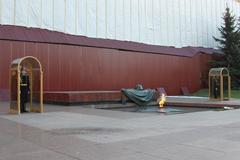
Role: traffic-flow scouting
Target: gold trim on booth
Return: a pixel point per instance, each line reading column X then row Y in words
column 218, row 72
column 18, row 70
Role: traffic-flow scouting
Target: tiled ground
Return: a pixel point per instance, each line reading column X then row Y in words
column 84, row 133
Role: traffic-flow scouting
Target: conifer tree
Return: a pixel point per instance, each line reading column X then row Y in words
column 229, row 44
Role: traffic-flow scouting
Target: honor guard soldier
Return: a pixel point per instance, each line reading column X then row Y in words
column 216, row 87
column 24, row 88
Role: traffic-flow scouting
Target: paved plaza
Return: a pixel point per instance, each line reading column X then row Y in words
column 85, row 133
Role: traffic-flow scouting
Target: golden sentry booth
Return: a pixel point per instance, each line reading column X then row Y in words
column 219, row 84
column 35, row 74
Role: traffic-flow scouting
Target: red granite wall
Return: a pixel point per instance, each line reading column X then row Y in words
column 79, row 68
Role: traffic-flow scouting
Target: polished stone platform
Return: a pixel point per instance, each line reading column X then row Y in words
column 86, row 133
column 81, row 97
column 201, row 102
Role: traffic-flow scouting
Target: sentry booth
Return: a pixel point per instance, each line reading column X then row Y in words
column 35, row 73
column 219, row 84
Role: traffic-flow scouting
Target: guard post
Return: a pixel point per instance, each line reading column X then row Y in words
column 35, row 73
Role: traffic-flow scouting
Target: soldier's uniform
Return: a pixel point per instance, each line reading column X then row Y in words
column 216, row 88
column 24, row 87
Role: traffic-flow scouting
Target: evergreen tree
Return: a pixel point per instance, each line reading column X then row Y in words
column 230, row 46
column 234, row 66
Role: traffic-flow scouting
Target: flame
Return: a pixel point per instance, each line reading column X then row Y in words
column 162, row 100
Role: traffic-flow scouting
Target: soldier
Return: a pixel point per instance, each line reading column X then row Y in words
column 24, row 87
column 216, row 87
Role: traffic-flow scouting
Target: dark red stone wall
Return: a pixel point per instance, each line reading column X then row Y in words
column 81, row 68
